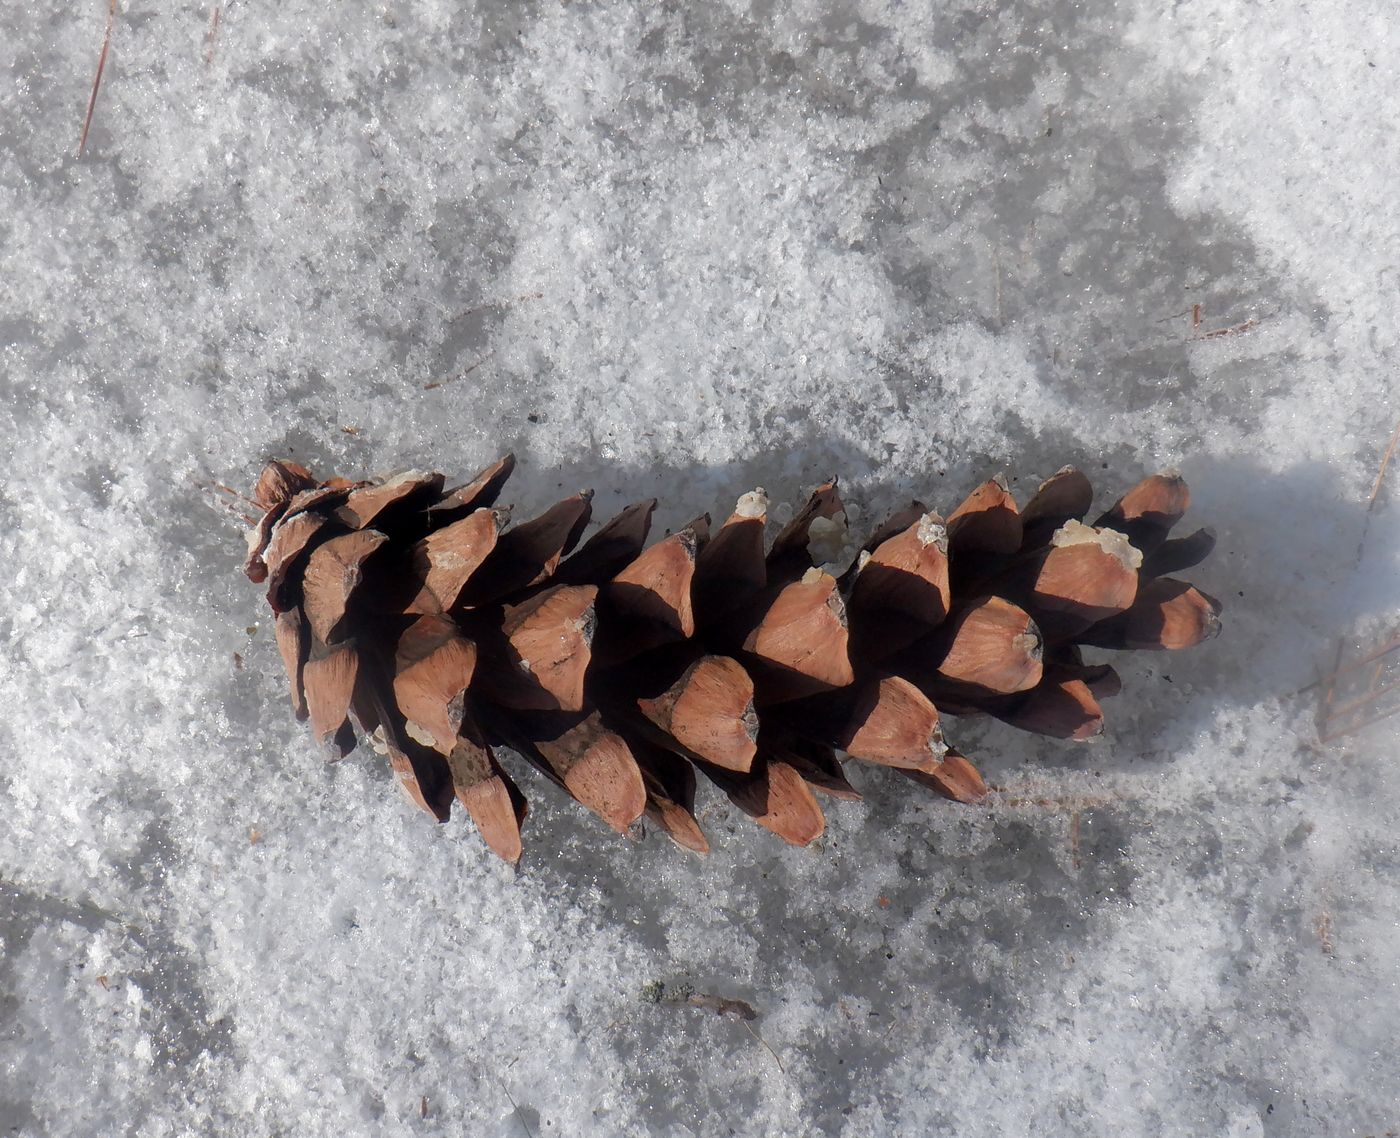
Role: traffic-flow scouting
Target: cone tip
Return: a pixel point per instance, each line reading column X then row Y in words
column 931, row 531
column 1111, row 541
column 754, row 504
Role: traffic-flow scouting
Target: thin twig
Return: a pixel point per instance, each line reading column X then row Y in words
column 1375, row 493
column 1331, row 691
column 454, row 378
column 1328, row 728
column 1374, row 691
column 1335, row 720
column 723, row 1006
column 509, row 302
column 516, row 1107
column 1380, row 474
column 97, row 79
column 1221, row 333
column 763, row 1041
column 1323, row 927
column 1174, row 316
column 209, row 36
column 229, row 507
column 1354, row 727
column 231, row 492
column 1359, row 725
column 1371, row 699
column 996, row 262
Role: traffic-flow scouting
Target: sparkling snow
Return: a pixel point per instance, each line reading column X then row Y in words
column 685, row 250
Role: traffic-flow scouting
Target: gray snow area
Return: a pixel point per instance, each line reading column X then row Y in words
column 683, row 250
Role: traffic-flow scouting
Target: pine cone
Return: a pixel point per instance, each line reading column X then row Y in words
column 619, row 670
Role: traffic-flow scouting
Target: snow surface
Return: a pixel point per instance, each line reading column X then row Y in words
column 688, row 249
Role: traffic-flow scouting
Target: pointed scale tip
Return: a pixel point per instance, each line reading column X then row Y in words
column 754, row 504
column 709, row 711
column 607, row 780
column 280, row 481
column 792, row 812
column 952, row 776
column 994, row 645
column 679, row 825
column 494, row 810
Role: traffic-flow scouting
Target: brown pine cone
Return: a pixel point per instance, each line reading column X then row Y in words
column 419, row 618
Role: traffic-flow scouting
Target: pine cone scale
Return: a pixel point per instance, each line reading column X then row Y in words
column 709, row 713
